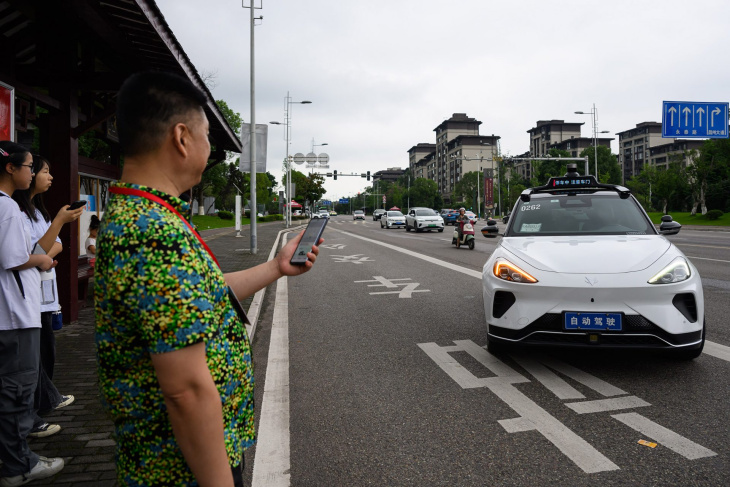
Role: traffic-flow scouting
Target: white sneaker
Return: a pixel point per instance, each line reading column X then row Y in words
column 46, row 467
column 65, row 401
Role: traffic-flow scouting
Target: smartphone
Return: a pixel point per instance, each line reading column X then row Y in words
column 76, row 205
column 311, row 236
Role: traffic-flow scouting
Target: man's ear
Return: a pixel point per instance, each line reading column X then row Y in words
column 180, row 138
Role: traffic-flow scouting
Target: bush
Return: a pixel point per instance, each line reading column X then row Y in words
column 714, row 214
column 225, row 215
column 271, row 218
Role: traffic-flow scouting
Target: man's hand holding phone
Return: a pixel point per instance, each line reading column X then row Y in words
column 287, row 253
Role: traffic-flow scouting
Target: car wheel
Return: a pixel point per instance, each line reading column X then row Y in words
column 683, row 354
column 441, row 230
column 471, row 244
column 408, row 228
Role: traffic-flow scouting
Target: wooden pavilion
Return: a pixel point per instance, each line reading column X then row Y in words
column 65, row 61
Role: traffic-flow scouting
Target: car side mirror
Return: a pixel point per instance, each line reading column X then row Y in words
column 491, row 230
column 669, row 226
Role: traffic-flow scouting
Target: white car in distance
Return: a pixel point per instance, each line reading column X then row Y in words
column 420, row 219
column 392, row 219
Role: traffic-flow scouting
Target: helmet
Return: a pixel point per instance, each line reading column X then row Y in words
column 462, row 209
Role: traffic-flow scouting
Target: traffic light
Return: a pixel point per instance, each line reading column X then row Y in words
column 335, row 173
column 368, row 175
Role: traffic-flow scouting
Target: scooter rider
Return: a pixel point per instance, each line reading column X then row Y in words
column 461, row 220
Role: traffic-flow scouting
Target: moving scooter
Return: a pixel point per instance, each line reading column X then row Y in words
column 467, row 235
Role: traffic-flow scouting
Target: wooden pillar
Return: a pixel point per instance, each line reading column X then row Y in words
column 61, row 149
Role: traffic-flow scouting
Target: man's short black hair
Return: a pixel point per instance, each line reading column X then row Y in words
column 148, row 104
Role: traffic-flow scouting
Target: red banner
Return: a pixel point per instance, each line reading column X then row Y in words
column 489, row 192
column 7, row 114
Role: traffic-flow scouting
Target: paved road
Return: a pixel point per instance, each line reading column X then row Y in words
column 389, row 383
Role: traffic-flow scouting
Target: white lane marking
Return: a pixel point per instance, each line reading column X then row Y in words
column 405, row 292
column 677, row 443
column 717, row 350
column 531, row 416
column 603, row 405
column 432, row 260
column 548, row 378
column 333, row 246
column 255, row 308
column 705, row 258
column 353, row 259
column 272, row 462
column 600, row 386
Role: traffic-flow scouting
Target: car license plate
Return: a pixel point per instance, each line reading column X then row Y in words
column 432, row 225
column 592, row 321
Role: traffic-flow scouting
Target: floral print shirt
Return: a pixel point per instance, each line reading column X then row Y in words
column 157, row 290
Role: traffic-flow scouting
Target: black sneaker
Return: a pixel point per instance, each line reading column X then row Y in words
column 65, row 401
column 44, row 429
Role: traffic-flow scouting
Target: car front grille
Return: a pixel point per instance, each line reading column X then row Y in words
column 637, row 331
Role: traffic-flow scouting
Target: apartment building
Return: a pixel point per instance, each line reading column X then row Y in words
column 419, row 157
column 579, row 144
column 634, row 147
column 391, row 174
column 678, row 150
column 460, row 149
column 547, row 133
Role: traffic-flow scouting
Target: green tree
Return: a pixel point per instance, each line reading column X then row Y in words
column 609, row 171
column 466, row 189
column 424, row 192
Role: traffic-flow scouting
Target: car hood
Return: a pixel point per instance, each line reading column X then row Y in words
column 588, row 254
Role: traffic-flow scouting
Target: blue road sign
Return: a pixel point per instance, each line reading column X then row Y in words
column 695, row 119
column 344, row 201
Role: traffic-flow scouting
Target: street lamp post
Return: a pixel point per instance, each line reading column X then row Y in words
column 287, row 137
column 595, row 139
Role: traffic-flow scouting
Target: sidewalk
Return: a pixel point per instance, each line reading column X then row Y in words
column 86, row 440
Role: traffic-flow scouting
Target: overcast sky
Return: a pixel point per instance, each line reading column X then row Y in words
column 382, row 75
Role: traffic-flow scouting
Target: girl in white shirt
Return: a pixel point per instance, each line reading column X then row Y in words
column 90, row 244
column 44, row 234
column 20, row 323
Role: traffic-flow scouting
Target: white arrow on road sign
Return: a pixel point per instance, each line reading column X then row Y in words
column 686, row 111
column 716, row 111
column 672, row 110
column 701, row 111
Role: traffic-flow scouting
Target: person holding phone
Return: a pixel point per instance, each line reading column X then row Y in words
column 174, row 359
column 20, row 325
column 44, row 239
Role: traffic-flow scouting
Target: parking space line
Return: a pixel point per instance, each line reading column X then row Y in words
column 677, row 443
column 603, row 405
column 717, row 350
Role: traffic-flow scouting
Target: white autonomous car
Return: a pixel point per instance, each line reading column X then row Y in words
column 581, row 264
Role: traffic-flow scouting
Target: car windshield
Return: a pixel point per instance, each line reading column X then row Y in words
column 582, row 214
column 425, row 212
column 358, row 212
column 395, row 213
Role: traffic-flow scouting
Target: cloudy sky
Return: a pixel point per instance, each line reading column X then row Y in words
column 382, row 75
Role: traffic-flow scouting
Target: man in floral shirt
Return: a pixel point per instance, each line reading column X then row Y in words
column 174, row 359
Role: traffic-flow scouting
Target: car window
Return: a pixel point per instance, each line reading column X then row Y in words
column 395, row 213
column 583, row 214
column 425, row 212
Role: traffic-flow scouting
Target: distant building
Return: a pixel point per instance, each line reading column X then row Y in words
column 634, row 145
column 676, row 151
column 547, row 133
column 391, row 174
column 579, row 144
column 417, row 158
column 460, row 149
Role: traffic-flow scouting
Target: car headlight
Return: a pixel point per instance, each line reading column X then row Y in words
column 677, row 271
column 507, row 271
